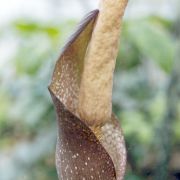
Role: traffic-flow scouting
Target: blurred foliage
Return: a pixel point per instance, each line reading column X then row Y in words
column 27, row 118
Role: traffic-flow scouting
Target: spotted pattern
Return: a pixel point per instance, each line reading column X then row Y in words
column 68, row 69
column 82, row 153
column 79, row 154
column 113, row 141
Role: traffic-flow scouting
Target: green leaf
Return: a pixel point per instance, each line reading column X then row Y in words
column 153, row 42
column 34, row 27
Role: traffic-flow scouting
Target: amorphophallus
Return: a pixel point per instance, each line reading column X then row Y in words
column 90, row 143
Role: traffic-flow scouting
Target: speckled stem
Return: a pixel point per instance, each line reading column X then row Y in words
column 95, row 98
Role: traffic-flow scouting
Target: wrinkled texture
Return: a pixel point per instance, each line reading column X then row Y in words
column 95, row 99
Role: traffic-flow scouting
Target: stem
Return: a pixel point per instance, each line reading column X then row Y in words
column 95, row 98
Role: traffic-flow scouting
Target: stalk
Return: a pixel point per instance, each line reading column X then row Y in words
column 95, row 97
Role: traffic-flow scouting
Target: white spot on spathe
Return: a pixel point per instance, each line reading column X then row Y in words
column 66, row 168
column 74, row 156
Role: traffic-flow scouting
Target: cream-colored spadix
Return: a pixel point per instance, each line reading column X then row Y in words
column 95, row 97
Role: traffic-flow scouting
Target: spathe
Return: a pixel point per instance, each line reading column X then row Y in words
column 82, row 153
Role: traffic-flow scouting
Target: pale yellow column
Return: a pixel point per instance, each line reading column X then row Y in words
column 95, row 98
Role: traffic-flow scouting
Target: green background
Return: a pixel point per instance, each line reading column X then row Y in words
column 146, row 96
